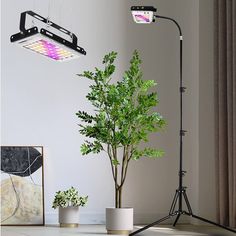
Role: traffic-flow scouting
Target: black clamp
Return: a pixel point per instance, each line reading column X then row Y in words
column 182, row 132
column 182, row 89
column 182, row 173
column 181, row 190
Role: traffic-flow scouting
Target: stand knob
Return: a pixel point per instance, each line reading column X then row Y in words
column 182, row 132
column 182, row 173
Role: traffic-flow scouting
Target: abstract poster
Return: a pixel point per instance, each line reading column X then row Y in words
column 22, row 201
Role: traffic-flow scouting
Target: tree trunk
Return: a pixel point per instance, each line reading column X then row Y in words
column 120, row 197
column 117, row 197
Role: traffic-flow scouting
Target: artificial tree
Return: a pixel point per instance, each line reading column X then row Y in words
column 123, row 118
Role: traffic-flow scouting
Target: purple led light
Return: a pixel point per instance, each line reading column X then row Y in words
column 142, row 18
column 51, row 49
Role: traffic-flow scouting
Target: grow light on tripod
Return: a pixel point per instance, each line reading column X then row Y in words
column 143, row 14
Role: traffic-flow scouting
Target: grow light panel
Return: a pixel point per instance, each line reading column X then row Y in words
column 143, row 14
column 45, row 42
column 49, row 48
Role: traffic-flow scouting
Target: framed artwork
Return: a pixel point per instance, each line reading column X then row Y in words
column 22, row 193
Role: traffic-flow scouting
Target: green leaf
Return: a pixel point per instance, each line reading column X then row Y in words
column 147, row 85
column 147, row 152
column 109, row 70
column 85, row 149
column 115, row 162
column 109, row 58
column 87, row 74
column 84, row 116
column 153, row 153
column 88, row 147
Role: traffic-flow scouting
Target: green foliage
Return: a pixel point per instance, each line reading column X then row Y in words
column 124, row 115
column 147, row 152
column 67, row 198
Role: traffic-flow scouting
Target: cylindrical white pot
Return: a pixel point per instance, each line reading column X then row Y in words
column 119, row 220
column 69, row 216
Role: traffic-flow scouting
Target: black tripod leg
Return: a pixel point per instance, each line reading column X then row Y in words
column 173, row 205
column 150, row 225
column 187, row 203
column 211, row 222
column 176, row 220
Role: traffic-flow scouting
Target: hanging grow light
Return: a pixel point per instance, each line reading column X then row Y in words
column 45, row 42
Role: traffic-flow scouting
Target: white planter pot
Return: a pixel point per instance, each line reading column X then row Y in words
column 69, row 216
column 119, row 220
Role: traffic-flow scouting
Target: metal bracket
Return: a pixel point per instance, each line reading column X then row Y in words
column 46, row 21
column 29, row 32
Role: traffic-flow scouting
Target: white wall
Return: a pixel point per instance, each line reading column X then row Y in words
column 40, row 98
column 207, row 186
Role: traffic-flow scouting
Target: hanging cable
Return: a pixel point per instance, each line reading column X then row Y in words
column 49, row 13
column 59, row 14
column 34, row 7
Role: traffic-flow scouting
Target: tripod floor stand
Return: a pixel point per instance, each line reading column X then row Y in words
column 180, row 197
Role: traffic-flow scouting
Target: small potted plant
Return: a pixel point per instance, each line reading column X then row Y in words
column 68, row 202
column 123, row 118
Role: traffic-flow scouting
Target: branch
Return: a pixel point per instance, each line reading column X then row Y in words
column 115, row 170
column 123, row 163
column 126, row 164
column 131, row 152
column 110, row 157
column 126, row 168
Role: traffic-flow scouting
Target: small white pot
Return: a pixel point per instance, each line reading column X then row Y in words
column 119, row 220
column 69, row 216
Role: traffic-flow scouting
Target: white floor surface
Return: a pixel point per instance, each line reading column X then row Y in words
column 84, row 230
